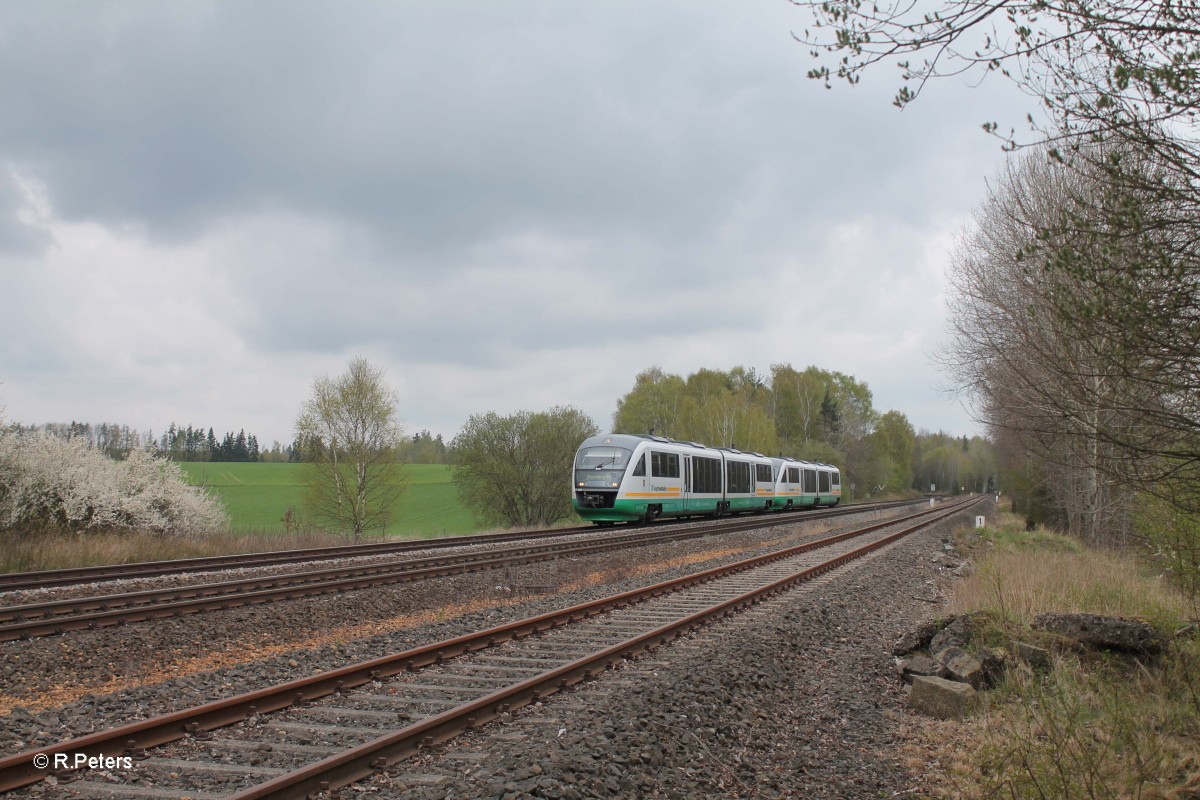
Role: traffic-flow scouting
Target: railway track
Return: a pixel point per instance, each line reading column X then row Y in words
column 328, row 730
column 14, row 581
column 62, row 616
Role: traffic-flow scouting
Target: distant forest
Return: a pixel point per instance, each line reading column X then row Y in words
column 198, row 443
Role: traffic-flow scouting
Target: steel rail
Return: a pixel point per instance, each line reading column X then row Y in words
column 13, row 581
column 19, row 770
column 61, row 616
column 371, row 757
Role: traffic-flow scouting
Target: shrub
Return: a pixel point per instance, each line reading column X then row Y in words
column 48, row 483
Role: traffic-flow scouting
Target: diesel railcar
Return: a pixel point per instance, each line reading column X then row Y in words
column 641, row 477
column 805, row 484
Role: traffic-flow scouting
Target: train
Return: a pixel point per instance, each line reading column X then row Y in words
column 621, row 477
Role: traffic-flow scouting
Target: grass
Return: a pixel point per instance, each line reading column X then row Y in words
column 1094, row 725
column 20, row 553
column 1021, row 574
column 257, row 496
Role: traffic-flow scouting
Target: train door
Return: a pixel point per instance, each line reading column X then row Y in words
column 637, row 476
column 687, row 482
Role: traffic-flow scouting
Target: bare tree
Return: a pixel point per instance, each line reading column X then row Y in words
column 350, row 430
column 1041, row 374
column 1107, row 69
column 1116, row 256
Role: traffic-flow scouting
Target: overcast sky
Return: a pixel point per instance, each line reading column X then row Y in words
column 206, row 206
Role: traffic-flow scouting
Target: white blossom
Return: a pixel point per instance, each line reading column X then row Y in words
column 51, row 483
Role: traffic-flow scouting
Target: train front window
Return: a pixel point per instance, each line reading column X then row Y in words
column 603, row 458
column 601, row 467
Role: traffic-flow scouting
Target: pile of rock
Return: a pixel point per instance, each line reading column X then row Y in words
column 945, row 678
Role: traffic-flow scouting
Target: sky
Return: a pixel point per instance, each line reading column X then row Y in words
column 206, row 206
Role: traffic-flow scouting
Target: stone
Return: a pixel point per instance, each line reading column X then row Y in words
column 942, row 699
column 917, row 637
column 946, row 560
column 961, row 666
column 1031, row 654
column 918, row 665
column 1109, row 633
column 956, row 633
column 995, row 664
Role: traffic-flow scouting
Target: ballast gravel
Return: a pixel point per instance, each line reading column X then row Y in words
column 796, row 699
column 129, row 660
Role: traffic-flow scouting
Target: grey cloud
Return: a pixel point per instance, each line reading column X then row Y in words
column 430, row 126
column 482, row 316
column 468, row 186
column 18, row 237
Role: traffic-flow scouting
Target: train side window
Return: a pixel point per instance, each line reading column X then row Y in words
column 640, row 469
column 706, row 475
column 737, row 477
column 762, row 473
column 664, row 465
column 823, row 478
column 837, row 481
column 793, row 475
column 810, row 481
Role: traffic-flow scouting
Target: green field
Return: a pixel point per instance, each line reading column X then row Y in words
column 258, row 495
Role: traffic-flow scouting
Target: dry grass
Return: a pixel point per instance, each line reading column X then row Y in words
column 1020, row 581
column 1093, row 726
column 61, row 550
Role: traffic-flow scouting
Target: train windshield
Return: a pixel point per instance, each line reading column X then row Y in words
column 601, row 467
column 606, row 458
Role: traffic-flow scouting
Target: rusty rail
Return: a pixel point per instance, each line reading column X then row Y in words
column 12, row 581
column 61, row 616
column 19, row 770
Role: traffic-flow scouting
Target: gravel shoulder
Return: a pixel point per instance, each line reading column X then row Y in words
column 55, row 687
column 797, row 698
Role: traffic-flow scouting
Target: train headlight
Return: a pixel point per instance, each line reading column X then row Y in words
column 580, row 484
column 615, row 485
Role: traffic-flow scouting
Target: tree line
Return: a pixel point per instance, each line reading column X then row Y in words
column 811, row 414
column 178, row 443
column 113, row 439
column 194, row 444
column 512, row 470
column 1076, row 291
column 197, row 443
